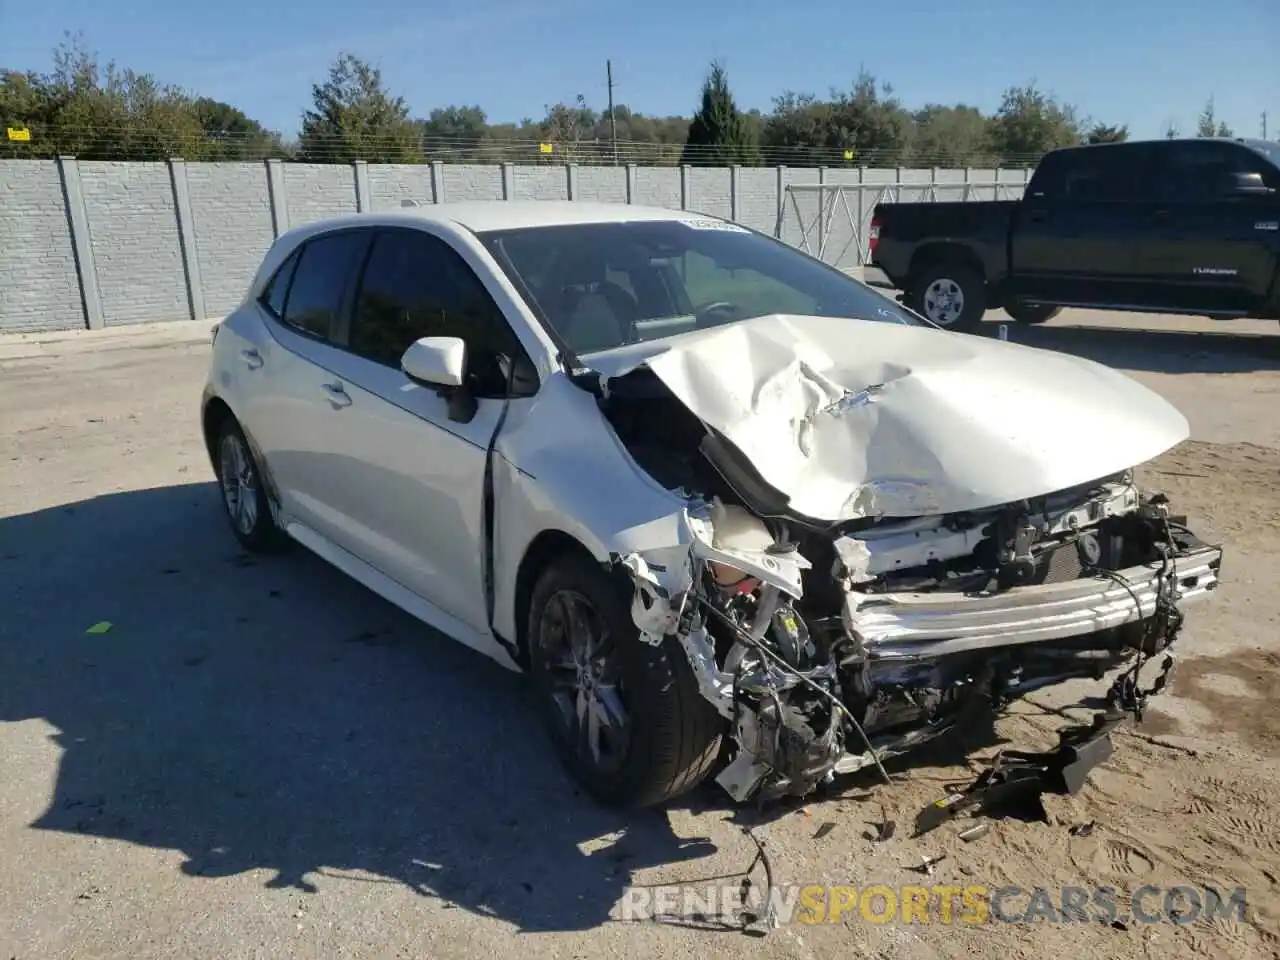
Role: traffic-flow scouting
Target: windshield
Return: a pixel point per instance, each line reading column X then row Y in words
column 602, row 285
column 1268, row 149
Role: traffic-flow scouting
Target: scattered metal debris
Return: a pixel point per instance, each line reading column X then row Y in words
column 884, row 830
column 759, row 924
column 825, row 830
column 975, row 832
column 1083, row 829
column 926, row 864
column 1016, row 776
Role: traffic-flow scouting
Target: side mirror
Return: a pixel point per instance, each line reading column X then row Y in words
column 1246, row 185
column 441, row 363
column 436, row 361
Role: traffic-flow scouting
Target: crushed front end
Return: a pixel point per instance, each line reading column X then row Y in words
column 828, row 650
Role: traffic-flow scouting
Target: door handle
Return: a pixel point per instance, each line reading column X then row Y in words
column 1038, row 216
column 252, row 358
column 337, row 394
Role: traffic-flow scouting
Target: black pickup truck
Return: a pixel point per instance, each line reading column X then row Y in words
column 1163, row 226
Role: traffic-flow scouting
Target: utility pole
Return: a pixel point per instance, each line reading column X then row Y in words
column 613, row 125
column 1264, row 124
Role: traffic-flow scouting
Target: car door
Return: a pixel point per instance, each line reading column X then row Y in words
column 410, row 494
column 1214, row 256
column 291, row 404
column 1076, row 234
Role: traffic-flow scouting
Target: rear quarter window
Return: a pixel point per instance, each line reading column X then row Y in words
column 273, row 296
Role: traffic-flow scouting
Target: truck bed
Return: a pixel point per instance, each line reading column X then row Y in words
column 908, row 228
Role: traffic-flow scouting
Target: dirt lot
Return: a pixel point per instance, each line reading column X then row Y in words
column 263, row 759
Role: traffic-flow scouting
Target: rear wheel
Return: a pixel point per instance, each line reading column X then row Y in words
column 1032, row 312
column 950, row 294
column 626, row 717
column 244, row 498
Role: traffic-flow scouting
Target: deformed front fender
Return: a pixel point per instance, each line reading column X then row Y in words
column 589, row 489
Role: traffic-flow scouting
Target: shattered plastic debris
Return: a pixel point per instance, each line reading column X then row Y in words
column 652, row 608
column 102, row 626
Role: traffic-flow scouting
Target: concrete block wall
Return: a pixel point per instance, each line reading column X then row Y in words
column 96, row 243
column 39, row 286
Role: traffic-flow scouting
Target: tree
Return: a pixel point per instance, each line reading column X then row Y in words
column 230, row 135
column 571, row 130
column 101, row 112
column 454, row 133
column 1209, row 126
column 1101, row 133
column 354, row 117
column 949, row 136
column 871, row 121
column 96, row 113
column 719, row 134
column 1030, row 123
column 799, row 130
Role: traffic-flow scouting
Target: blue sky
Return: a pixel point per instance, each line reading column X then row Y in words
column 1141, row 62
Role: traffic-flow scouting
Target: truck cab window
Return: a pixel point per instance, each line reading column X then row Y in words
column 1104, row 175
column 1199, row 173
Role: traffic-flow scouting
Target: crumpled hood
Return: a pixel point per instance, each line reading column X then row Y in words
column 854, row 418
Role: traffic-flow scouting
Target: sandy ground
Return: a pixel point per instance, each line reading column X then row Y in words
column 260, row 758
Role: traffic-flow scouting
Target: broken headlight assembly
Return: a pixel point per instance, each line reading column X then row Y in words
column 774, row 680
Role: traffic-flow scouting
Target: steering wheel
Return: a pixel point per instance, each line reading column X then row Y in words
column 704, row 314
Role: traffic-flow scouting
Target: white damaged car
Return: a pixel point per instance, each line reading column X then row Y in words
column 737, row 514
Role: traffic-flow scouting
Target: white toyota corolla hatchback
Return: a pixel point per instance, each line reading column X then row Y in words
column 736, row 513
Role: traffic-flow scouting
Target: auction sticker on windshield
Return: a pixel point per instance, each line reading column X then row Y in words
column 714, row 225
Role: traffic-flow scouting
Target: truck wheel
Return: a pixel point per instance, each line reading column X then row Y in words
column 951, row 295
column 1032, row 312
column 626, row 717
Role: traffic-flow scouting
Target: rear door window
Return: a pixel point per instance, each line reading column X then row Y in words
column 325, row 269
column 1200, row 173
column 1106, row 175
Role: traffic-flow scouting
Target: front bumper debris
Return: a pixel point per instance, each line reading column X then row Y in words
column 912, row 625
column 1020, row 777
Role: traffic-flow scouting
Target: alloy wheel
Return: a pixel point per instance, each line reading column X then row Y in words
column 584, row 678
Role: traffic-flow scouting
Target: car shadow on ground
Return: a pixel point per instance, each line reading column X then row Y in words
column 1153, row 350
column 271, row 713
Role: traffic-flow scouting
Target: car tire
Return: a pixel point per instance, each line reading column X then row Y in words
column 657, row 737
column 1032, row 312
column 243, row 494
column 949, row 294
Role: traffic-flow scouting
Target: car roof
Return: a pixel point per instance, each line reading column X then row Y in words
column 478, row 216
column 481, row 216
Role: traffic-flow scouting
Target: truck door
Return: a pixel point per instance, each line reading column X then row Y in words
column 1075, row 234
column 1215, row 226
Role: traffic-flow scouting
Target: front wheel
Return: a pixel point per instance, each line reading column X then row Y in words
column 1032, row 312
column 951, row 295
column 626, row 717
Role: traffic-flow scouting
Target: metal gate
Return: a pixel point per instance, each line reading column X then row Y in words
column 857, row 201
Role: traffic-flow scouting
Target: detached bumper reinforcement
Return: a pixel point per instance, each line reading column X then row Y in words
column 1017, row 777
column 910, row 625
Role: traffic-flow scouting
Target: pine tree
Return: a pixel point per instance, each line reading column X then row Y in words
column 719, row 134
